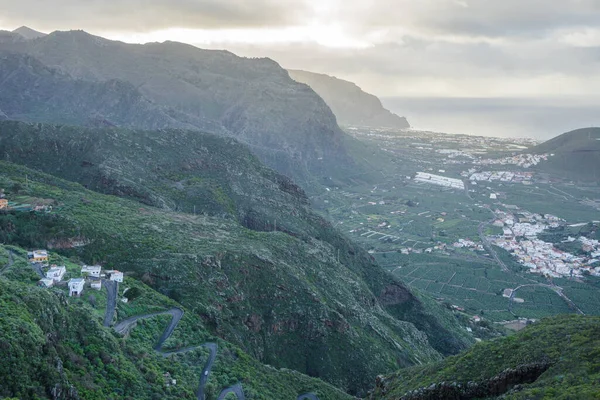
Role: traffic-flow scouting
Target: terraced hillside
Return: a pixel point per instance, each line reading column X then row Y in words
column 307, row 299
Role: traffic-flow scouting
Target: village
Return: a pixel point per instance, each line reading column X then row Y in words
column 520, row 238
column 54, row 275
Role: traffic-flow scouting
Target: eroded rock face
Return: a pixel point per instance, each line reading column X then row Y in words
column 496, row 386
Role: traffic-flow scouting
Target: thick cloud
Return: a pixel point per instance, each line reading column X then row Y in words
column 389, row 47
column 147, row 15
column 491, row 18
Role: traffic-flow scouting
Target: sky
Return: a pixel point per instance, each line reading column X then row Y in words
column 392, row 48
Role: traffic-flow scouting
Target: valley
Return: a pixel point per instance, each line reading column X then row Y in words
column 463, row 219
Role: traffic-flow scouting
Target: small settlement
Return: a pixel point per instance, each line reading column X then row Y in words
column 91, row 275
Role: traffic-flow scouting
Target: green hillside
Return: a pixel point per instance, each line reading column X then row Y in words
column 557, row 358
column 313, row 302
column 54, row 346
column 576, row 155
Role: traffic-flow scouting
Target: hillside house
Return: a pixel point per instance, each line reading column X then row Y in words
column 38, row 256
column 3, row 204
column 91, row 270
column 97, row 285
column 76, row 287
column 56, row 273
column 115, row 275
column 46, row 283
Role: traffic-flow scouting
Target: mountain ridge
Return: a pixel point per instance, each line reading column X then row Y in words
column 284, row 122
column 351, row 105
column 29, row 33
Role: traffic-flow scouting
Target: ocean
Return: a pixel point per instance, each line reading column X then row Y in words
column 540, row 119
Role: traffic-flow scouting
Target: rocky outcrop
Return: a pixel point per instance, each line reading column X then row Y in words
column 496, row 386
column 350, row 104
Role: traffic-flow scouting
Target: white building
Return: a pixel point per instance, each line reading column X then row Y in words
column 115, row 275
column 97, row 285
column 439, row 180
column 76, row 286
column 45, row 282
column 91, row 270
column 56, row 273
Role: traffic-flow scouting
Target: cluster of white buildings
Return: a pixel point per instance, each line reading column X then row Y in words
column 439, row 180
column 521, row 160
column 469, row 244
column 502, row 176
column 520, row 239
column 451, row 153
column 55, row 274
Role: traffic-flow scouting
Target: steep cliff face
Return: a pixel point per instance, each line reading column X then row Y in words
column 350, row 104
column 286, row 123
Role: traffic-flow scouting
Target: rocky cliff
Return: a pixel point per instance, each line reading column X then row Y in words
column 350, row 104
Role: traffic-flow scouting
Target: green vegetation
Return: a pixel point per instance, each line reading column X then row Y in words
column 287, row 301
column 576, row 155
column 55, row 346
column 570, row 345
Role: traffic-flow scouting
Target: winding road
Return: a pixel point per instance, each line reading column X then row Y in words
column 111, row 300
column 124, row 326
column 488, row 246
column 309, row 396
column 557, row 289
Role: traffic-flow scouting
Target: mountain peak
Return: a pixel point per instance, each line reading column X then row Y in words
column 29, row 33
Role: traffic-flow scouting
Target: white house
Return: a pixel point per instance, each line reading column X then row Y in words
column 76, row 286
column 38, row 256
column 115, row 275
column 91, row 270
column 56, row 273
column 45, row 282
column 96, row 285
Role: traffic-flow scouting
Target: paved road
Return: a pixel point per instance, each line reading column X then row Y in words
column 557, row 289
column 176, row 313
column 111, row 300
column 309, row 396
column 488, row 245
column 37, row 267
column 236, row 389
column 9, row 263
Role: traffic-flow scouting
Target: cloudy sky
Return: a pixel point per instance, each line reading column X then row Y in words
column 429, row 48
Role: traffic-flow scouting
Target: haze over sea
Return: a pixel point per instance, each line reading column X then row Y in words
column 541, row 119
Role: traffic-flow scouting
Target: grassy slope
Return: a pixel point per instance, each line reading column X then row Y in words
column 570, row 343
column 576, row 155
column 287, row 301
